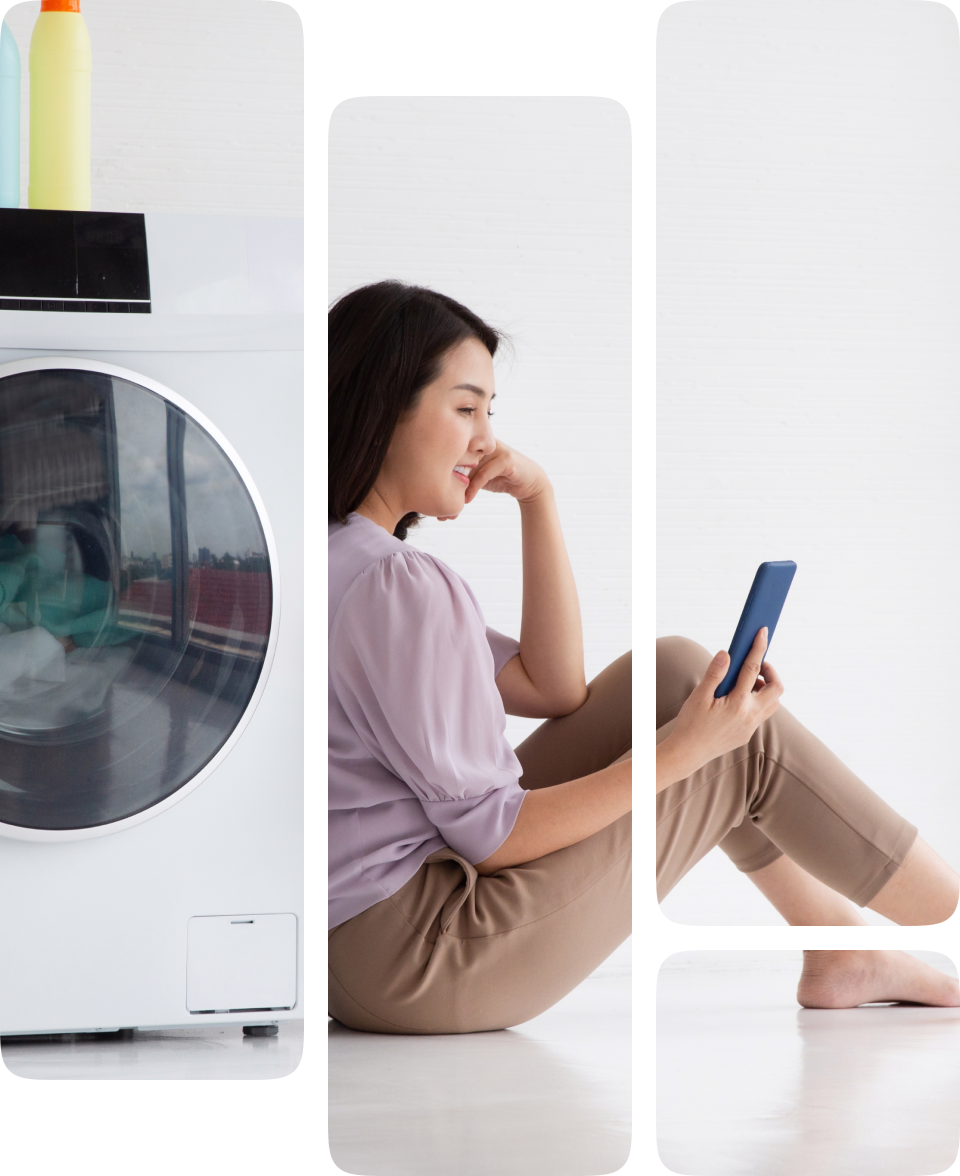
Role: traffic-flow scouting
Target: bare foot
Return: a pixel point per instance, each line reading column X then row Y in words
column 845, row 979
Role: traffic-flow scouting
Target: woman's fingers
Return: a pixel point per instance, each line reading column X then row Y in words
column 714, row 673
column 752, row 663
column 771, row 690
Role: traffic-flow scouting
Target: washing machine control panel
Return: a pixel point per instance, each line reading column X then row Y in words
column 73, row 261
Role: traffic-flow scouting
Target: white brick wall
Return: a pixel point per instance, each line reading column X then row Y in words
column 808, row 286
column 197, row 105
column 519, row 208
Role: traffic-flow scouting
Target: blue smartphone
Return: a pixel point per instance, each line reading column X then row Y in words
column 764, row 605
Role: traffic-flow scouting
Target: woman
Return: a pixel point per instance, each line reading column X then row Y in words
column 471, row 886
column 742, row 773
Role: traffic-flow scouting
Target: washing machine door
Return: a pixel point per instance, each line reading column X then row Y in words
column 136, row 598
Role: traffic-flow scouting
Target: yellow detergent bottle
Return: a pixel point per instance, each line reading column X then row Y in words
column 59, row 108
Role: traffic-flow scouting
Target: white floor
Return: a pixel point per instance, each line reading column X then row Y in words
column 214, row 1052
column 548, row 1098
column 750, row 1084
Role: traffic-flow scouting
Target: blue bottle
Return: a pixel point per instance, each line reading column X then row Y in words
column 9, row 120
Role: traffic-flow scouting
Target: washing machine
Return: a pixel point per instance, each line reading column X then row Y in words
column 151, row 621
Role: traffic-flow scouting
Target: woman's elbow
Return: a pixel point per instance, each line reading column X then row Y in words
column 566, row 702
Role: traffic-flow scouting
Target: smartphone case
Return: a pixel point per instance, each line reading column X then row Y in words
column 764, row 605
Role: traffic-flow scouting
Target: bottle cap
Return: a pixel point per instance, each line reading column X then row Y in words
column 59, row 5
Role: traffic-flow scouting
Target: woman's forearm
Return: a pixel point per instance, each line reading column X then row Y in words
column 551, row 636
column 673, row 763
column 553, row 818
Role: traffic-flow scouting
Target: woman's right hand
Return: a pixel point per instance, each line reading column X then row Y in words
column 706, row 727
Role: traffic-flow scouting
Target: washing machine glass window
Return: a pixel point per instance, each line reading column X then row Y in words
column 135, row 598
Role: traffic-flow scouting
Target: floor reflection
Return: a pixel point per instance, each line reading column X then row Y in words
column 750, row 1083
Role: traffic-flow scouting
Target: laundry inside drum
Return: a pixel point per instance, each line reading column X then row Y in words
column 62, row 645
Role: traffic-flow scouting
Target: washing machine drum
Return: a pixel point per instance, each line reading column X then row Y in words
column 135, row 598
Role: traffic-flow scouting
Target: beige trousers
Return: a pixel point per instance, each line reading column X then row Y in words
column 783, row 792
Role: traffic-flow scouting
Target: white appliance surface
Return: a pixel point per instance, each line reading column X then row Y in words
column 95, row 929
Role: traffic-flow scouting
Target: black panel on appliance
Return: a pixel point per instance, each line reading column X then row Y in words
column 38, row 258
column 91, row 258
column 111, row 256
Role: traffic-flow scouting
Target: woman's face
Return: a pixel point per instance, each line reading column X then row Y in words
column 436, row 447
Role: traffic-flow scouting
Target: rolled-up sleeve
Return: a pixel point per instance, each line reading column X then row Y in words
column 414, row 669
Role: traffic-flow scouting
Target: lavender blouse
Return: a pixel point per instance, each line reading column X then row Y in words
column 418, row 756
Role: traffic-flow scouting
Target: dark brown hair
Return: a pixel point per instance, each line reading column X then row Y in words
column 386, row 342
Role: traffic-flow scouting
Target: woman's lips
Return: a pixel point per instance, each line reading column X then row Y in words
column 463, row 478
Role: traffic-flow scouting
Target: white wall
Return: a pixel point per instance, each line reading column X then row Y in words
column 196, row 105
column 520, row 209
column 809, row 368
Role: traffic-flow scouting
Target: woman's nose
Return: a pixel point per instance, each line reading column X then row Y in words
column 486, row 441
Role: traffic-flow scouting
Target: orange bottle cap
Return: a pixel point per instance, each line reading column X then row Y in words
column 59, row 5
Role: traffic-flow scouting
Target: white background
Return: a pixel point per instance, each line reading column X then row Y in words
column 520, row 209
column 196, row 105
column 759, row 960
column 808, row 377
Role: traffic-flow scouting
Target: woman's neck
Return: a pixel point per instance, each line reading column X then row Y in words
column 377, row 511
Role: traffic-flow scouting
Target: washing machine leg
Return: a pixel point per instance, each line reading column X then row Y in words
column 261, row 1030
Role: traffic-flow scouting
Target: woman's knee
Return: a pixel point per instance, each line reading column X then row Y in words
column 681, row 664
column 680, row 655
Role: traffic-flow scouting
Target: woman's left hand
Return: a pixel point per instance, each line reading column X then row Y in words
column 506, row 471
